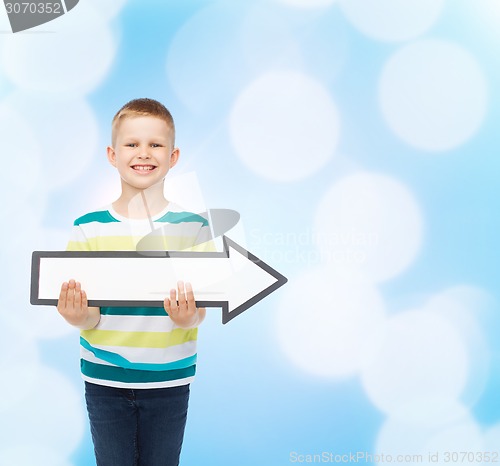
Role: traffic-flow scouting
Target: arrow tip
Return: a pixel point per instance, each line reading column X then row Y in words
column 261, row 276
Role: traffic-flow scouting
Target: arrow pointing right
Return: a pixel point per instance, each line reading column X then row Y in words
column 233, row 279
column 251, row 281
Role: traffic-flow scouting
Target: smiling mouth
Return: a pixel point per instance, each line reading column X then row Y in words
column 143, row 168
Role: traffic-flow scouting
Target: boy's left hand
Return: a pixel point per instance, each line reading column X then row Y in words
column 182, row 308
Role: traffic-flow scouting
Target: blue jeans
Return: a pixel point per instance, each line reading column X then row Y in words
column 137, row 427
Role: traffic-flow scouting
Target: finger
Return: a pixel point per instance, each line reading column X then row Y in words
column 190, row 296
column 182, row 295
column 61, row 304
column 173, row 300
column 78, row 295
column 180, row 288
column 70, row 297
column 85, row 303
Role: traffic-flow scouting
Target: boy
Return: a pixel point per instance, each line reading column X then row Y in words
column 137, row 363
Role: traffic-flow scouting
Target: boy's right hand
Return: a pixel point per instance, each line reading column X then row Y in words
column 72, row 305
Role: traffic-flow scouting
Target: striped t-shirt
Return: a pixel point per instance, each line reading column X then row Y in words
column 139, row 347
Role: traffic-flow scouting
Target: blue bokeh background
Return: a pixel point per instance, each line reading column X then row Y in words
column 334, row 128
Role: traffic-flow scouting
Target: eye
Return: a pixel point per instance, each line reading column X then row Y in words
column 155, row 145
column 131, row 144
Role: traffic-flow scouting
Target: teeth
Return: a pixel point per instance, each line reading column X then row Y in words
column 143, row 167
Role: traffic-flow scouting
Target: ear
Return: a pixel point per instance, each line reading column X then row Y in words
column 111, row 155
column 174, row 156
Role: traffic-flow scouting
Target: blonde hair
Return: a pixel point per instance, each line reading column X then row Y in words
column 142, row 107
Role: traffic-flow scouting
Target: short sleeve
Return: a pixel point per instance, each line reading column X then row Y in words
column 78, row 240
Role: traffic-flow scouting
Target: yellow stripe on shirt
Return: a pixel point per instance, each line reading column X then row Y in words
column 139, row 339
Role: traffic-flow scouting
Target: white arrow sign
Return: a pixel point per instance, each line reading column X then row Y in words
column 233, row 279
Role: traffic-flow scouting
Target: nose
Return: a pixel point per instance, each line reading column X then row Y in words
column 144, row 152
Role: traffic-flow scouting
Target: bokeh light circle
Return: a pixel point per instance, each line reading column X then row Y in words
column 268, row 41
column 74, row 57
column 38, row 322
column 456, row 428
column 19, row 361
column 369, row 223
column 464, row 306
column 392, row 20
column 277, row 40
column 307, row 4
column 323, row 320
column 65, row 129
column 465, row 436
column 433, row 95
column 109, row 8
column 13, row 125
column 29, row 453
column 415, row 365
column 51, row 414
column 492, row 438
column 285, row 126
column 210, row 38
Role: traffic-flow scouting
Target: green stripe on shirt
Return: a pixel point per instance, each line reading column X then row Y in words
column 179, row 217
column 133, row 311
column 119, row 360
column 120, row 374
column 102, row 216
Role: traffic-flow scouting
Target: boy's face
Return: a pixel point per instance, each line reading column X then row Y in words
column 143, row 152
